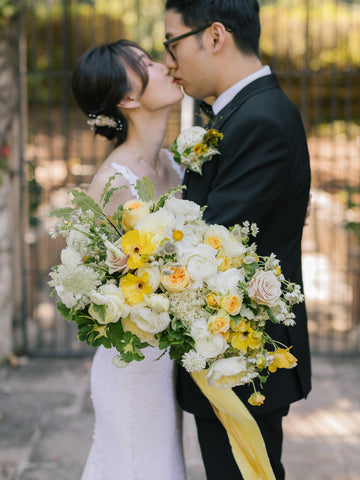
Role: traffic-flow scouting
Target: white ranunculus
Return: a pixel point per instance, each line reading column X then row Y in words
column 112, row 297
column 159, row 224
column 148, row 320
column 226, row 282
column 190, row 137
column 229, row 372
column 159, row 303
column 207, row 344
column 200, row 264
column 154, row 275
column 265, row 288
column 185, row 209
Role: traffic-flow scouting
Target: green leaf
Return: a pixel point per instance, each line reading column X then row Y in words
column 271, row 315
column 65, row 312
column 130, row 348
column 62, row 212
column 162, row 198
column 108, row 192
column 83, row 201
column 145, row 189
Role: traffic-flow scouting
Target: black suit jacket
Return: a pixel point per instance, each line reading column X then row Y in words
column 262, row 175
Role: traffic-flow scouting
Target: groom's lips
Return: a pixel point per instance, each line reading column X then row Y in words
column 177, row 80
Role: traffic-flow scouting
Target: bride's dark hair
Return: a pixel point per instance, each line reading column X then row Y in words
column 100, row 81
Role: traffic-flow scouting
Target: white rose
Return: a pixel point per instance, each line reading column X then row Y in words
column 148, row 320
column 154, row 275
column 206, row 343
column 185, row 209
column 159, row 303
column 190, row 137
column 112, row 297
column 226, row 282
column 159, row 224
column 265, row 288
column 201, row 264
column 229, row 372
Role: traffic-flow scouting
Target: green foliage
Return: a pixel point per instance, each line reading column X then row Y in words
column 177, row 339
column 8, row 8
column 145, row 189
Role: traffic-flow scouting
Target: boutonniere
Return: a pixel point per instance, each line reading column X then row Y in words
column 195, row 146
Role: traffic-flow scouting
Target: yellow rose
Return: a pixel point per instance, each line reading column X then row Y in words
column 282, row 359
column 237, row 261
column 176, row 281
column 231, row 304
column 212, row 299
column 214, row 241
column 219, row 323
column 223, row 263
column 256, row 399
column 134, row 211
column 239, row 327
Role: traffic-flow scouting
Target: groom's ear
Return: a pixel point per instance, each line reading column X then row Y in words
column 129, row 103
column 217, row 36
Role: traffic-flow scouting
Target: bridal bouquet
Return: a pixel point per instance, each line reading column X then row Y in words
column 195, row 146
column 156, row 274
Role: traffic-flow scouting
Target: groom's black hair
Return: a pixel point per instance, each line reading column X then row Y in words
column 241, row 16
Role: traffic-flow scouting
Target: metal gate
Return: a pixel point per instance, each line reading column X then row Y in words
column 312, row 45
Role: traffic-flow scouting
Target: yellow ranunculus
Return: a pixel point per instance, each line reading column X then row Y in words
column 214, row 241
column 282, row 359
column 256, row 399
column 219, row 323
column 223, row 263
column 231, row 304
column 138, row 246
column 134, row 288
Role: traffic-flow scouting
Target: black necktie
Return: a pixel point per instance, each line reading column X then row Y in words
column 207, row 109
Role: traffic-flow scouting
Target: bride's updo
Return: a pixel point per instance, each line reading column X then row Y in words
column 100, row 81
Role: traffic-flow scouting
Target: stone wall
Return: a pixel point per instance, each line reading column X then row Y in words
column 8, row 126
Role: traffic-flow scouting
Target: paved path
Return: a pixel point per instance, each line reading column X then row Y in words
column 46, row 421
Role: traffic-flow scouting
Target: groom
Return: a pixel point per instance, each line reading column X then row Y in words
column 262, row 175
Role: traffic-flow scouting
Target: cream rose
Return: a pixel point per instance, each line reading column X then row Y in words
column 185, row 209
column 115, row 307
column 206, row 343
column 201, row 264
column 159, row 303
column 134, row 211
column 154, row 275
column 229, row 372
column 177, row 281
column 265, row 288
column 148, row 320
column 130, row 326
column 116, row 258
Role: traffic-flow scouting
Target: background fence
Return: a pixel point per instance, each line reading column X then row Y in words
column 312, row 45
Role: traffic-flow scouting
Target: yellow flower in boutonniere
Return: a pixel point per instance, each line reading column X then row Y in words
column 134, row 288
column 282, row 359
column 256, row 399
column 138, row 246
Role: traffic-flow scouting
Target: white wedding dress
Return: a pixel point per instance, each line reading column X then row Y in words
column 138, row 424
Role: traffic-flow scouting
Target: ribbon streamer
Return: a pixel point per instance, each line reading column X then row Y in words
column 246, row 441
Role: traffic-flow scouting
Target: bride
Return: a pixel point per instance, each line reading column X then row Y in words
column 128, row 97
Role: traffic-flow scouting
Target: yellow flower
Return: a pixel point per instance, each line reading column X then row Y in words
column 198, row 148
column 134, row 211
column 177, row 281
column 282, row 359
column 214, row 241
column 223, row 263
column 134, row 288
column 237, row 261
column 256, row 399
column 278, row 271
column 231, row 304
column 138, row 246
column 212, row 299
column 178, row 235
column 219, row 323
column 247, row 338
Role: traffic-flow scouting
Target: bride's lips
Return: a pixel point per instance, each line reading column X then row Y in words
column 177, row 80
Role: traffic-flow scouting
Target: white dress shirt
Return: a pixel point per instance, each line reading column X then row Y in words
column 231, row 92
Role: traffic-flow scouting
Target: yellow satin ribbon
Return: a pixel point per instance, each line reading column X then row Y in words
column 244, row 435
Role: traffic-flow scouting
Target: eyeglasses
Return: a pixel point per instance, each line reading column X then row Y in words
column 168, row 43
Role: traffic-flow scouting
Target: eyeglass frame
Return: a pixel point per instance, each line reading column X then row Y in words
column 167, row 43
